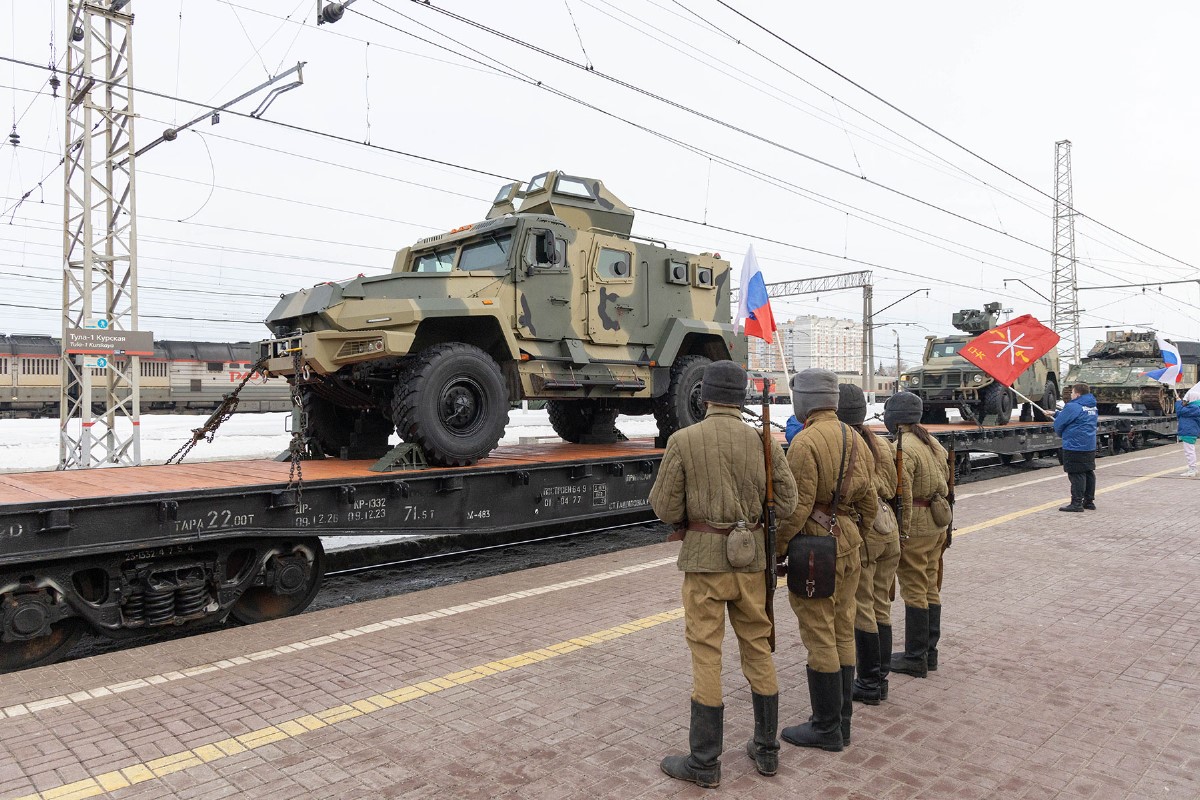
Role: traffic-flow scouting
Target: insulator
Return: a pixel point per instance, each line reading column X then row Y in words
column 190, row 600
column 77, row 33
column 54, row 84
column 332, row 12
column 160, row 606
column 134, row 609
column 14, row 138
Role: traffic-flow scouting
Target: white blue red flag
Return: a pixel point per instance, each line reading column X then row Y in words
column 754, row 307
column 1171, row 373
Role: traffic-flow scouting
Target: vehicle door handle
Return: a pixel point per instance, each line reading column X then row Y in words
column 560, row 300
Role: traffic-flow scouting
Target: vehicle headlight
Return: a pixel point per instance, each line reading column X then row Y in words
column 976, row 378
column 915, row 380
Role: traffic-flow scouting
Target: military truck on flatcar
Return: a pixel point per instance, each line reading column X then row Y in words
column 556, row 300
column 947, row 380
column 1115, row 370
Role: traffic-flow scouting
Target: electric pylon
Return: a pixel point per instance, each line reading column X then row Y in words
column 98, row 411
column 1064, row 302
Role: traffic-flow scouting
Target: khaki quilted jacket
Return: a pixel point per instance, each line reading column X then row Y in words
column 714, row 472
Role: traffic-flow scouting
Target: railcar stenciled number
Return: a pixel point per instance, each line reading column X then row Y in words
column 226, row 519
column 416, row 514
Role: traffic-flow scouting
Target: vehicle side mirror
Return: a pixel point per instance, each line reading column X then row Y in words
column 546, row 248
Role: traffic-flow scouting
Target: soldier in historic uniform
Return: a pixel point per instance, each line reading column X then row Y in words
column 820, row 452
column 711, row 486
column 924, row 486
column 880, row 555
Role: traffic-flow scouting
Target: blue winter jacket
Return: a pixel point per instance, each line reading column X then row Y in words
column 1076, row 424
column 794, row 426
column 1189, row 417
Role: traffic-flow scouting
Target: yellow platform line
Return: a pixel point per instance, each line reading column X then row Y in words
column 994, row 521
column 298, row 726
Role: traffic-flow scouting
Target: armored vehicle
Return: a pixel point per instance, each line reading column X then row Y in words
column 947, row 380
column 1114, row 369
column 553, row 300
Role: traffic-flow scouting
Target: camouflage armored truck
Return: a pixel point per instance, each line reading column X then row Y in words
column 947, row 380
column 1114, row 369
column 556, row 300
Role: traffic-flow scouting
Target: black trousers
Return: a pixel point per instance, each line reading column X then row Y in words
column 1080, row 467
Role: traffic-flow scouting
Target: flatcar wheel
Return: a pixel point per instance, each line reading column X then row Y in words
column 296, row 579
column 44, row 649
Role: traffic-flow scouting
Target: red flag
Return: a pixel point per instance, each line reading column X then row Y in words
column 1007, row 350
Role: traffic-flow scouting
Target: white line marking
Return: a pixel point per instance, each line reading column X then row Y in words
column 1051, row 478
column 139, row 683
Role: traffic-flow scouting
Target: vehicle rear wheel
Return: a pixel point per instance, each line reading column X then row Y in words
column 931, row 415
column 681, row 405
column 998, row 400
column 293, row 578
column 1049, row 401
column 582, row 420
column 453, row 404
column 329, row 428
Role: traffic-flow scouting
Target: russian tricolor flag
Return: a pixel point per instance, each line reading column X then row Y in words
column 754, row 307
column 1171, row 373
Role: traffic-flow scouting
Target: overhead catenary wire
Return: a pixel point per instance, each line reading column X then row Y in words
column 938, row 133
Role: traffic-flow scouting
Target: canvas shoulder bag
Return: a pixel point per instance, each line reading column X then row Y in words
column 812, row 560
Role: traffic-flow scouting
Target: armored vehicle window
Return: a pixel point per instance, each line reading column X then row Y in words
column 441, row 261
column 572, row 186
column 505, row 191
column 538, row 182
column 491, row 253
column 946, row 349
column 613, row 264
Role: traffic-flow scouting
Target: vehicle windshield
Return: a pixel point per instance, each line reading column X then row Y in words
column 438, row 261
column 945, row 349
column 490, row 254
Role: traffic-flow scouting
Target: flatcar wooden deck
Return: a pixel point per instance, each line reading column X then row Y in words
column 47, row 486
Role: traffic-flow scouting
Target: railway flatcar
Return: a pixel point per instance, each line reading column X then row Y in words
column 182, row 377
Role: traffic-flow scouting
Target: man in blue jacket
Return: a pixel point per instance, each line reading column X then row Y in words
column 1076, row 424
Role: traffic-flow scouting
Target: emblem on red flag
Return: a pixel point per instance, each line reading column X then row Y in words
column 1007, row 350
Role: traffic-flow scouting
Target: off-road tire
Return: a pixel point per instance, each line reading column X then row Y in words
column 452, row 403
column 575, row 419
column 681, row 406
column 1049, row 401
column 998, row 400
column 329, row 428
column 934, row 415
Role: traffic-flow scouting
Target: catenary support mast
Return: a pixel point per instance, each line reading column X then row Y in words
column 99, row 415
column 1064, row 305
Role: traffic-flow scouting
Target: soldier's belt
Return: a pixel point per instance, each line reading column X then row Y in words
column 704, row 527
column 823, row 515
column 921, row 503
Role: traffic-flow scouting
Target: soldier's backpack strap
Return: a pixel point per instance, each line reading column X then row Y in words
column 843, row 469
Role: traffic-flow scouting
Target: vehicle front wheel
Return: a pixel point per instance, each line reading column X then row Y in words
column 452, row 403
column 998, row 400
column 329, row 428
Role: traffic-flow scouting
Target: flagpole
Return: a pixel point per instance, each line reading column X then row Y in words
column 1032, row 403
column 783, row 360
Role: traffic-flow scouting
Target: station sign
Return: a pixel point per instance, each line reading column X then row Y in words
column 108, row 342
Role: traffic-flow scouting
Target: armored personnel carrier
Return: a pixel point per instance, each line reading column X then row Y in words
column 947, row 380
column 551, row 297
column 1114, row 369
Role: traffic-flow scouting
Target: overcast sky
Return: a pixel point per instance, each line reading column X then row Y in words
column 268, row 208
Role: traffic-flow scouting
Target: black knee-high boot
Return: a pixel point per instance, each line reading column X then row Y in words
column 824, row 730
column 702, row 766
column 935, row 633
column 764, row 747
column 916, row 644
column 885, row 659
column 867, row 684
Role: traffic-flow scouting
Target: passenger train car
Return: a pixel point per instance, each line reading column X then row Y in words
column 180, row 378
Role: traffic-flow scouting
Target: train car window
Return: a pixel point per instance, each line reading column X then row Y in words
column 3, row 366
column 196, row 385
column 39, row 366
column 216, row 366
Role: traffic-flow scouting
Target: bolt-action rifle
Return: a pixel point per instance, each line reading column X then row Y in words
column 898, row 500
column 951, row 462
column 769, row 512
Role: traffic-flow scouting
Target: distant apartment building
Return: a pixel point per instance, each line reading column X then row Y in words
column 811, row 341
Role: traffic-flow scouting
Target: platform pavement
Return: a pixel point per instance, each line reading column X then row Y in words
column 1070, row 668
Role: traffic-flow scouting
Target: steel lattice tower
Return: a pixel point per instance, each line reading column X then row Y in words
column 99, row 237
column 1064, row 305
